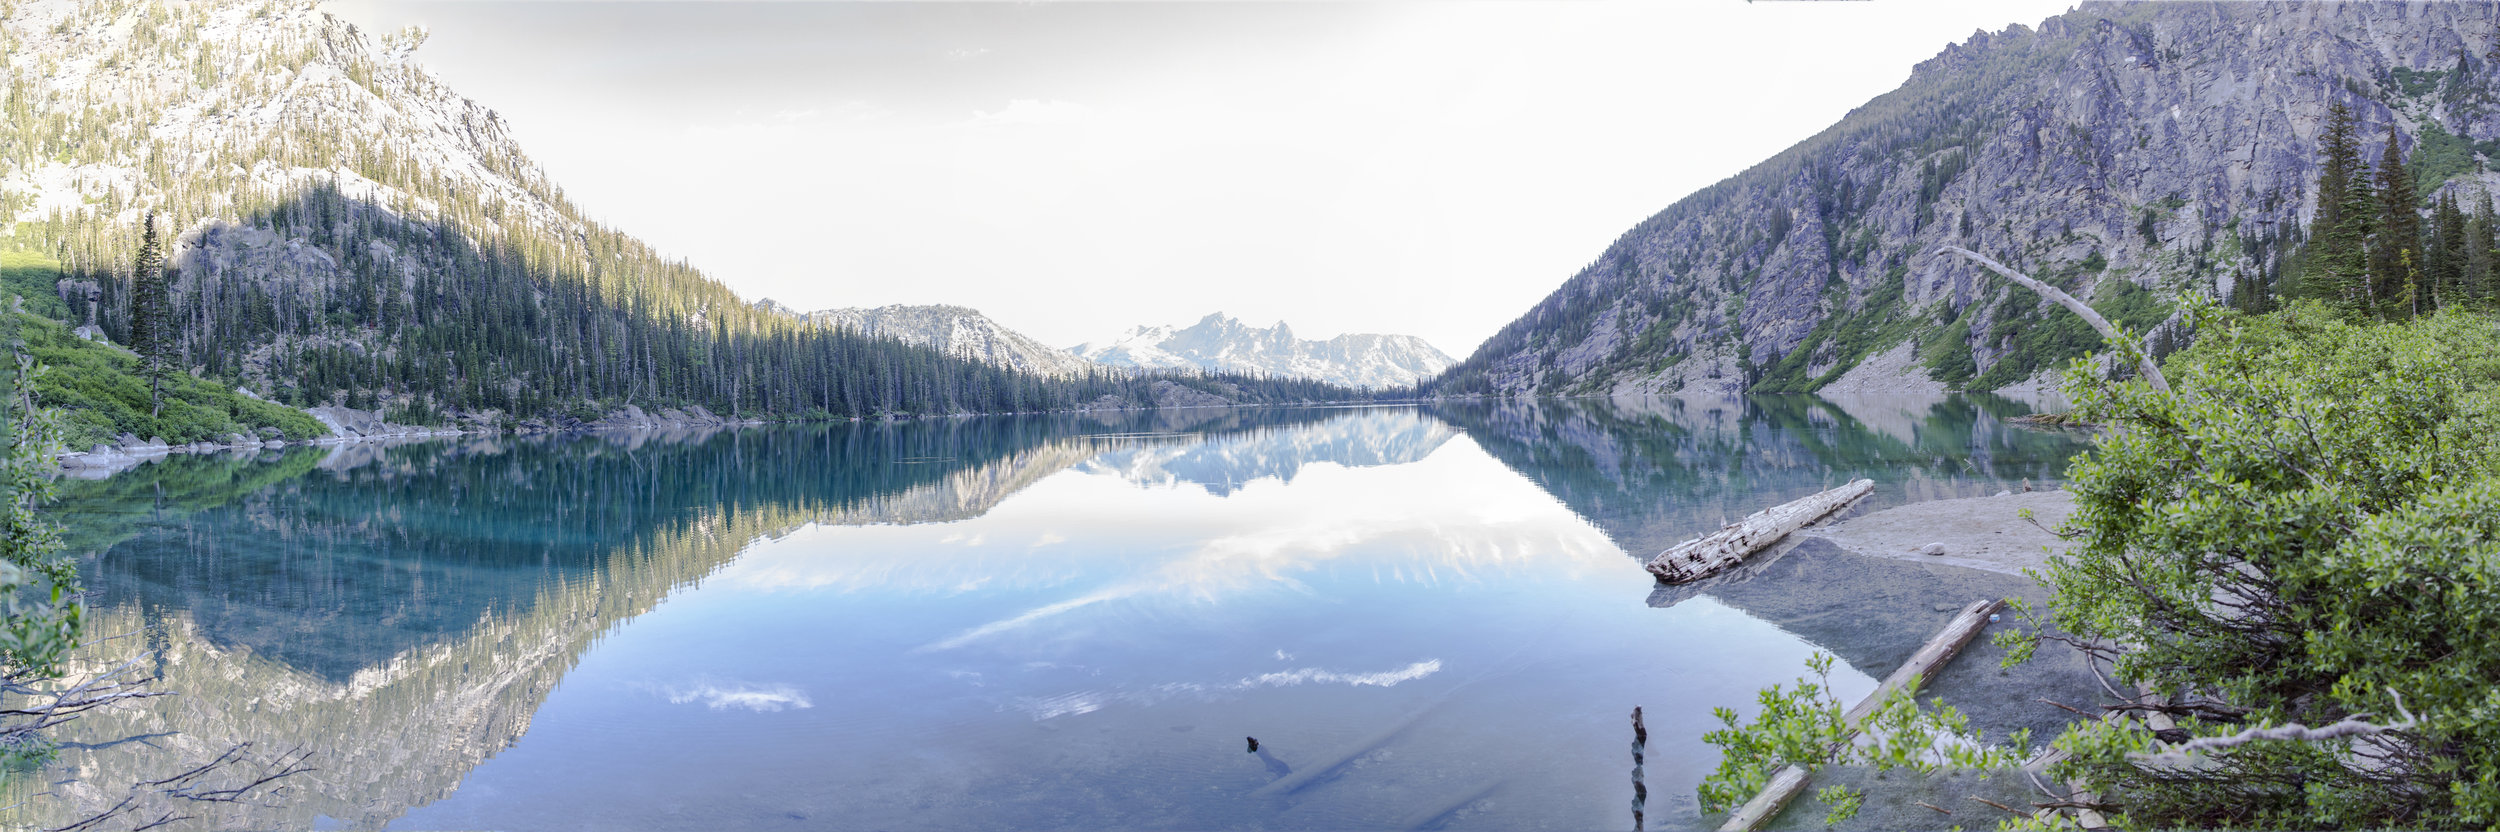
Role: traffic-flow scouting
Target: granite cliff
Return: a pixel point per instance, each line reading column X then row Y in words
column 2134, row 153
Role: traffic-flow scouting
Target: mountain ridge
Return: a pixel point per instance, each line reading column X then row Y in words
column 346, row 230
column 959, row 331
column 1222, row 343
column 2132, row 153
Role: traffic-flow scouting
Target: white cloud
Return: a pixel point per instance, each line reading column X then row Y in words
column 1424, row 168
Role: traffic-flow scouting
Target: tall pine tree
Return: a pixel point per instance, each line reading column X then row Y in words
column 151, row 314
column 2443, row 255
column 2476, row 277
column 2396, row 256
column 2336, row 265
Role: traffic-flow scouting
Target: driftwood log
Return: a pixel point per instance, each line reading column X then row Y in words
column 1709, row 554
column 1790, row 781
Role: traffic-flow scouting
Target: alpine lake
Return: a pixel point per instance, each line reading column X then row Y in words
column 1427, row 616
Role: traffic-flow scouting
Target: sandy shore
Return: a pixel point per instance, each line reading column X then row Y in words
column 1976, row 533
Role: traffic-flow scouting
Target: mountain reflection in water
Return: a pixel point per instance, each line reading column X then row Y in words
column 898, row 623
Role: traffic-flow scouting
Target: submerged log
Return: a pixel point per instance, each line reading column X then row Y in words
column 1791, row 781
column 1707, row 555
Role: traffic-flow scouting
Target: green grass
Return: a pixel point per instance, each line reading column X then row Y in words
column 2439, row 157
column 1878, row 324
column 2048, row 338
column 96, row 390
column 32, row 276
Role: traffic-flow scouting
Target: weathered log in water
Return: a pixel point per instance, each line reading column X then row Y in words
column 1791, row 781
column 1707, row 555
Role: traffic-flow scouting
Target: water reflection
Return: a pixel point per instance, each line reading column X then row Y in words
column 1656, row 472
column 853, row 621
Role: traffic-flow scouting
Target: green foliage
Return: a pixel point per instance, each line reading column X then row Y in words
column 39, row 611
column 31, row 276
column 151, row 322
column 2440, row 156
column 2415, row 83
column 1807, row 726
column 2037, row 335
column 1851, row 336
column 99, row 394
column 1844, row 803
column 2305, row 530
column 2335, row 263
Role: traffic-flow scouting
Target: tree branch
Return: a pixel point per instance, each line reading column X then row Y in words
column 2109, row 332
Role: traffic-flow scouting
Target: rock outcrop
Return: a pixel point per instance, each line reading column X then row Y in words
column 2132, row 152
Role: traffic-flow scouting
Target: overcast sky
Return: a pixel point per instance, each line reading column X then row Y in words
column 1077, row 168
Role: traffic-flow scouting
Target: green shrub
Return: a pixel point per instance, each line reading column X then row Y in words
column 2306, row 530
column 35, row 278
column 98, row 394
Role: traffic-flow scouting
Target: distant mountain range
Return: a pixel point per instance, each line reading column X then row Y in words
column 1221, row 343
column 1216, row 343
column 956, row 331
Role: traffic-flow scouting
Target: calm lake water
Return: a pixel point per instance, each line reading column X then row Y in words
column 1429, row 617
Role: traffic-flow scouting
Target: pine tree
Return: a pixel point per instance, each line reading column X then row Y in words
column 2396, row 258
column 2476, row 278
column 2336, row 264
column 2443, row 258
column 151, row 314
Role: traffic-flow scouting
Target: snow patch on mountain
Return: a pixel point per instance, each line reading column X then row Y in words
column 956, row 330
column 1224, row 344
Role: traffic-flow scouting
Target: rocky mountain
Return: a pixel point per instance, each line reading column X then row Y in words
column 1224, row 344
column 341, row 228
column 2133, row 153
column 957, row 331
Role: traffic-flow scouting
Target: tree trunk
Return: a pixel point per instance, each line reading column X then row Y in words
column 2109, row 332
column 1704, row 556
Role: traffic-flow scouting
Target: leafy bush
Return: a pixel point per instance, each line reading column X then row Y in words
column 2307, row 530
column 1805, row 725
column 40, row 614
column 99, row 394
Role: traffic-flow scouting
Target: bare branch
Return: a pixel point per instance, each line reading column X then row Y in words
column 2009, row 809
column 2351, row 726
column 2109, row 332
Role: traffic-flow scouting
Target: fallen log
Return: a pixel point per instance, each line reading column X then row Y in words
column 1707, row 555
column 1791, row 780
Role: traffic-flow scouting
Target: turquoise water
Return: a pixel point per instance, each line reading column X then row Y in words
column 1428, row 617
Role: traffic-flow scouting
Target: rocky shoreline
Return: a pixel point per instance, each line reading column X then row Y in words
column 351, row 426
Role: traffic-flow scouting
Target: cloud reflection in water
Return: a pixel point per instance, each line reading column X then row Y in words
column 760, row 698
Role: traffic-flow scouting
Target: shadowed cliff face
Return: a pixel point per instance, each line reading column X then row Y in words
column 1655, row 472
